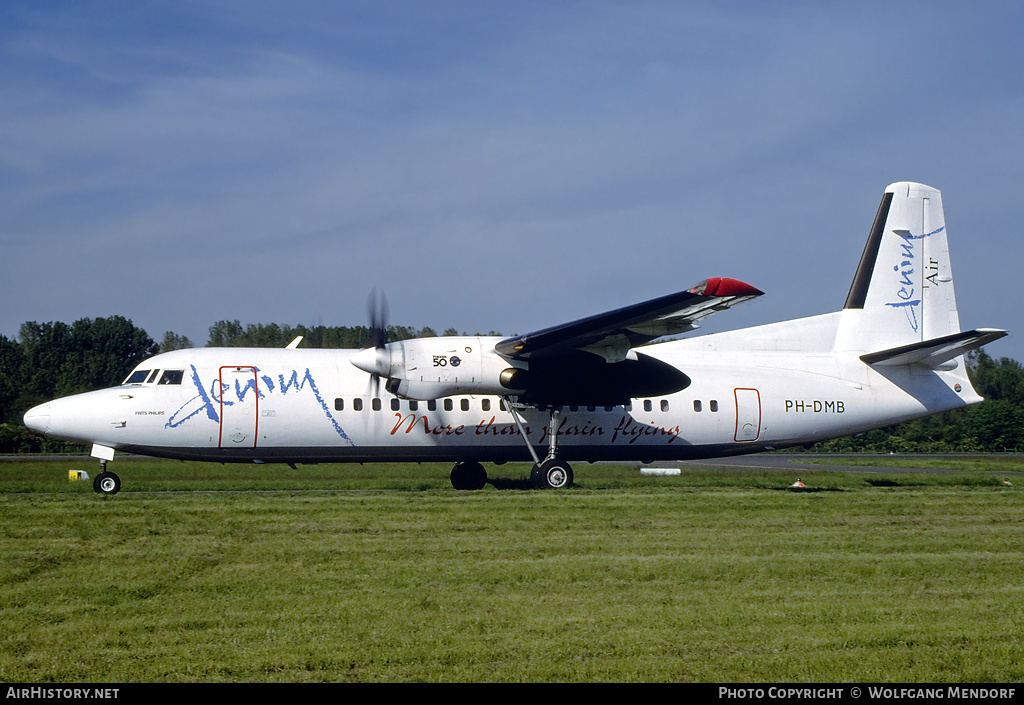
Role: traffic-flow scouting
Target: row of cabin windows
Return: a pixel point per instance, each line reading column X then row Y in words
column 485, row 405
column 448, row 404
column 697, row 405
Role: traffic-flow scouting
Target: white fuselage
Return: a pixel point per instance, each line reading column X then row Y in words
column 752, row 390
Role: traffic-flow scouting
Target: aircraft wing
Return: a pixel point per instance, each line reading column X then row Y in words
column 611, row 335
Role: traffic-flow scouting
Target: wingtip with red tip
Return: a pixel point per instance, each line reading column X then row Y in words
column 721, row 286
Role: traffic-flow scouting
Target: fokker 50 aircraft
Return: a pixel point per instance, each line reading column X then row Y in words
column 593, row 389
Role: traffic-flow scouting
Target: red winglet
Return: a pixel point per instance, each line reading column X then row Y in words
column 720, row 286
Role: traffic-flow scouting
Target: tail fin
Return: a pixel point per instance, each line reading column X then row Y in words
column 903, row 290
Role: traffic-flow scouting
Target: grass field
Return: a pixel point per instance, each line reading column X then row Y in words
column 208, row 573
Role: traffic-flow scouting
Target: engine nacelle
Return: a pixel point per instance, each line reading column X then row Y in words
column 430, row 368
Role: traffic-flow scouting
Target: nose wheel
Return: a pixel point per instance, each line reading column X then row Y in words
column 106, row 482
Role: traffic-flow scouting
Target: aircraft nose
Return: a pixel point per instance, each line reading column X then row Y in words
column 83, row 418
column 38, row 418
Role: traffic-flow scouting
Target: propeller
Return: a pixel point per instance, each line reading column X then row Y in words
column 376, row 360
column 377, row 312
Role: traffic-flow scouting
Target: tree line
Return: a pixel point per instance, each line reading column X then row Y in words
column 50, row 360
column 231, row 334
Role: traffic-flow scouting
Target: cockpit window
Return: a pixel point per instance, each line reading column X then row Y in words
column 171, row 377
column 137, row 377
column 151, row 376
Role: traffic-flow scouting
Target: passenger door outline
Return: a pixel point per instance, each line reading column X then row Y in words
column 239, row 414
column 748, row 415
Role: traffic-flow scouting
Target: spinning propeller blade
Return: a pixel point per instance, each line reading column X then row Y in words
column 377, row 312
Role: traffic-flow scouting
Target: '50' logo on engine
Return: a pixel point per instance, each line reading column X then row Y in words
column 445, row 361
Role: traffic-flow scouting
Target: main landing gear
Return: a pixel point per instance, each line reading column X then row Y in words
column 469, row 476
column 106, row 482
column 552, row 473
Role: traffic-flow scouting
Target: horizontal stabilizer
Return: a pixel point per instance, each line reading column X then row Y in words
column 936, row 351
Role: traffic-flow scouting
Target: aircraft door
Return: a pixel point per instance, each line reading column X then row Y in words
column 748, row 414
column 239, row 407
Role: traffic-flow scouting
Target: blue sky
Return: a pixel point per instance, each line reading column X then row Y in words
column 492, row 165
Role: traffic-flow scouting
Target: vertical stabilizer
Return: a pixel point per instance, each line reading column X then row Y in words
column 903, row 290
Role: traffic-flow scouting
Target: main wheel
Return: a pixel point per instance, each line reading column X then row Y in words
column 107, row 483
column 552, row 474
column 469, row 476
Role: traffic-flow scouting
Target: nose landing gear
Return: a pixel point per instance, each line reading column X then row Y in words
column 106, row 482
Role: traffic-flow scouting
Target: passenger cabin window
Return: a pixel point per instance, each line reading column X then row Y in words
column 647, row 405
column 714, row 405
column 357, row 404
column 339, row 404
column 696, row 405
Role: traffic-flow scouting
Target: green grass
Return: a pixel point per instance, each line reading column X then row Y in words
column 205, row 573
